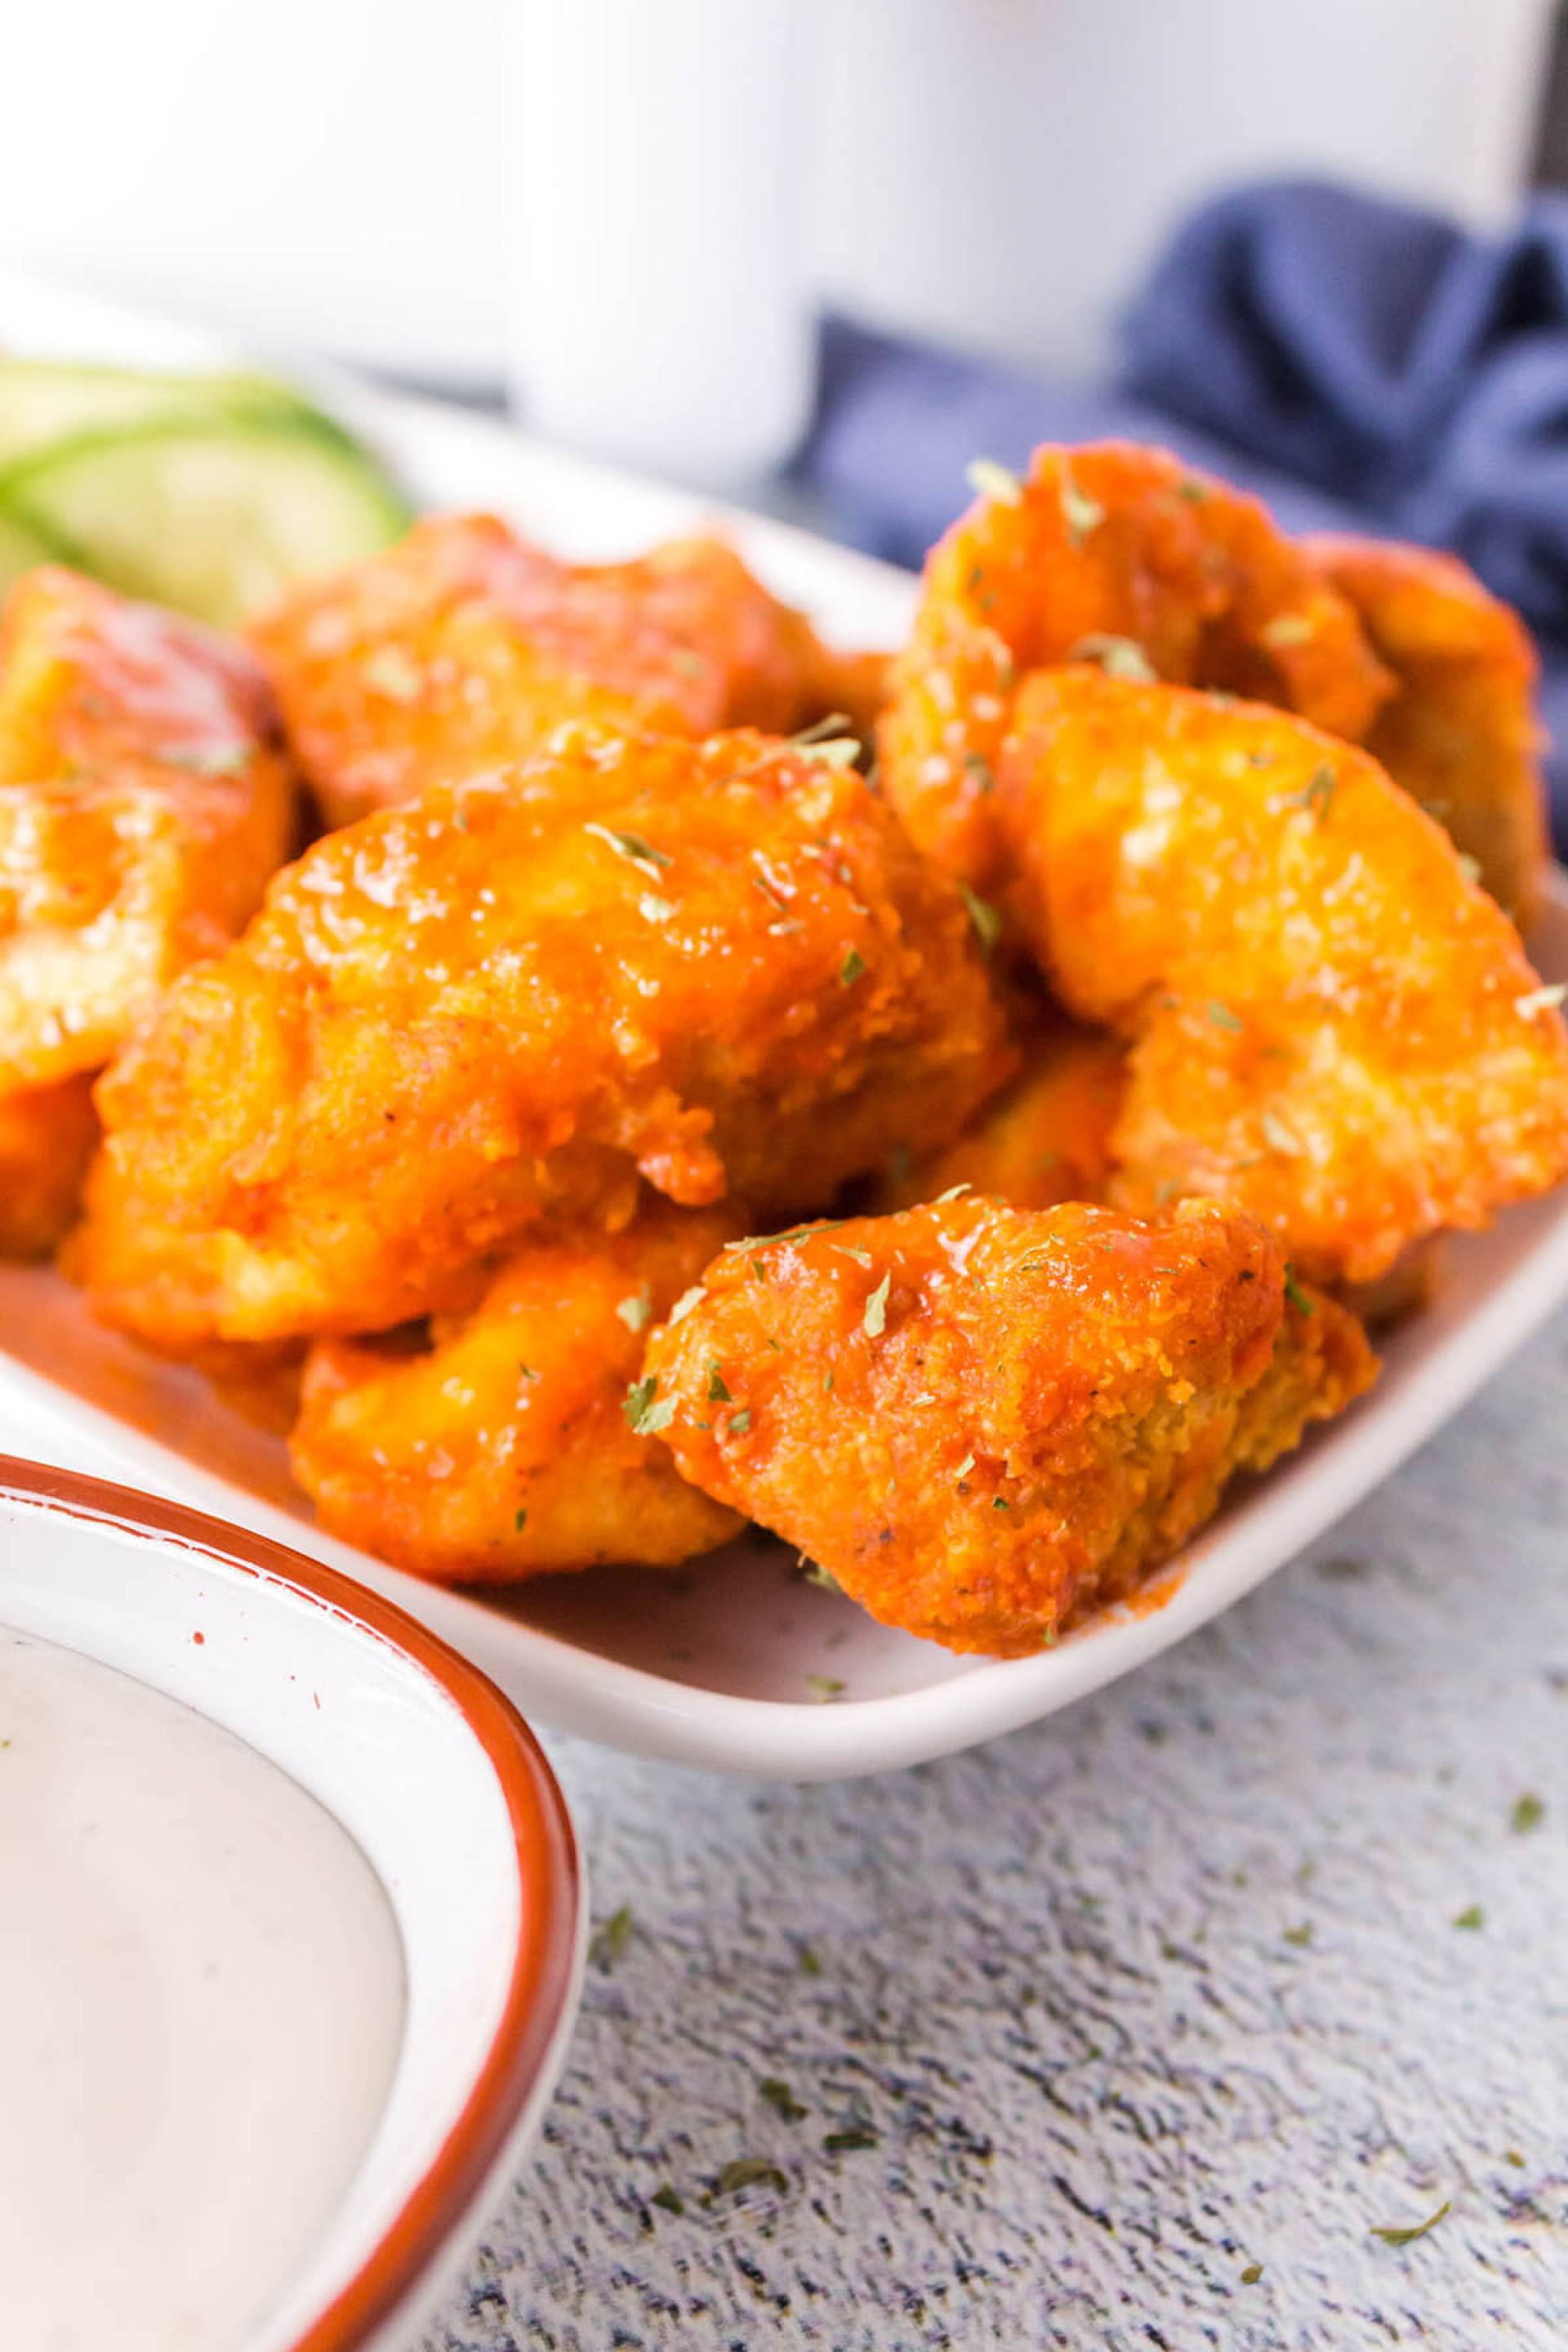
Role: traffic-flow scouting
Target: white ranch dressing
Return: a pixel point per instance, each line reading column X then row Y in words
column 200, row 2001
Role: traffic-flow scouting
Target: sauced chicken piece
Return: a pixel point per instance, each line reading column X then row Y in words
column 463, row 648
column 982, row 1421
column 720, row 967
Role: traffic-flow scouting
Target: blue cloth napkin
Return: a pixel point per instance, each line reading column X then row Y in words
column 1361, row 364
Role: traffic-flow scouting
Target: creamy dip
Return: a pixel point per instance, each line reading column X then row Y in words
column 201, row 1998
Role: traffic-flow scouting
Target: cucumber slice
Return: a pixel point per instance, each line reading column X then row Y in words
column 45, row 400
column 23, row 548
column 216, row 516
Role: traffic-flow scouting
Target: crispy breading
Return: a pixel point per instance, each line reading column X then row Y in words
column 1461, row 733
column 498, row 1446
column 143, row 803
column 1116, row 552
column 48, row 1135
column 719, row 966
column 1336, row 1027
column 1045, row 1139
column 982, row 1421
column 463, row 646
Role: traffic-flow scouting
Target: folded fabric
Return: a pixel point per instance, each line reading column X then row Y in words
column 1360, row 363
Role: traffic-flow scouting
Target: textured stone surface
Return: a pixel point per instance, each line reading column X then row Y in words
column 1162, row 1988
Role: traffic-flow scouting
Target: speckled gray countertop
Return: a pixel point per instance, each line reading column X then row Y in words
column 1173, row 1985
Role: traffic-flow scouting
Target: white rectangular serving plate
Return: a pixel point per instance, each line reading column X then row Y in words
column 714, row 1665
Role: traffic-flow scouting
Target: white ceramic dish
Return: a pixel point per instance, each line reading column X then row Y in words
column 711, row 1666
column 443, row 1790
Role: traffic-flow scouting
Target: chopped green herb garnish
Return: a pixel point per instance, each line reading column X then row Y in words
column 611, row 1939
column 984, row 916
column 875, row 1314
column 782, row 2099
column 999, row 1502
column 1317, row 797
column 1118, row 657
column 738, row 1423
column 520, row 1520
column 1279, row 1137
column 646, row 1416
column 827, row 1381
column 636, row 1310
column 823, row 1687
column 1190, row 488
column 850, row 969
column 1527, row 1814
column 1512, row 2155
column 1295, row 1293
column 687, row 1301
column 1473, row 1917
column 807, row 1961
column 1223, row 1017
column 717, row 1392
column 526, row 1372
column 954, row 1192
column 990, row 480
column 840, row 2143
column 852, row 1249
column 1080, row 513
column 667, row 2199
column 964, row 1467
column 822, row 730
column 812, row 1573
column 630, row 846
column 977, row 765
column 749, row 2172
column 1408, row 2237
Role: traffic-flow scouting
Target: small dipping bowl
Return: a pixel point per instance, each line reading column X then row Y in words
column 441, row 1787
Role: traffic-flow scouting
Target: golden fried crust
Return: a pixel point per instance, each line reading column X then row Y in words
column 983, row 1422
column 463, row 648
column 502, row 1449
column 719, row 966
column 1106, row 551
column 1335, row 1027
column 46, row 1137
column 144, row 805
column 1045, row 1139
column 1461, row 733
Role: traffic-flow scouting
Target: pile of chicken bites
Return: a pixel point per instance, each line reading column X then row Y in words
column 598, row 1066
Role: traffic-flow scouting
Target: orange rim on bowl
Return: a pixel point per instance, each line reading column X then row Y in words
column 548, row 1879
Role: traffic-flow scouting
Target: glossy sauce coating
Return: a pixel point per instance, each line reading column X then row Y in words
column 983, row 1421
column 718, row 967
column 1109, row 551
column 498, row 1447
column 464, row 646
column 1335, row 1027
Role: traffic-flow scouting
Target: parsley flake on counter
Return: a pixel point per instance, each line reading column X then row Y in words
column 749, row 2172
column 839, row 2143
column 610, row 1940
column 875, row 1316
column 636, row 1310
column 990, row 480
column 1300, row 1936
column 667, row 2200
column 1471, row 1916
column 1527, row 1814
column 782, row 2099
column 823, row 1687
column 1395, row 2237
column 807, row 1962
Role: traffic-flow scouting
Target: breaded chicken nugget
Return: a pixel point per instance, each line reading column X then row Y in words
column 462, row 648
column 47, row 1136
column 144, row 805
column 1111, row 552
column 717, row 966
column 983, row 1422
column 1336, row 1027
column 1045, row 1139
column 1460, row 732
column 500, row 1448
column 143, row 802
